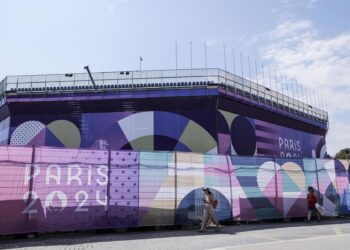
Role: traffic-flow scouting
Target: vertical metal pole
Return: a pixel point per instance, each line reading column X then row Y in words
column 240, row 54
column 305, row 94
column 318, row 184
column 191, row 56
column 234, row 69
column 250, row 79
column 263, row 82
column 229, row 175
column 31, row 183
column 270, row 77
column 109, row 181
column 175, row 180
column 205, row 59
column 298, row 97
column 319, row 104
column 293, row 96
column 263, row 74
column 140, row 65
column 242, row 76
column 284, row 106
column 225, row 66
column 176, row 57
column 288, row 103
column 322, row 103
column 276, row 84
column 276, row 184
column 277, row 93
column 270, row 85
column 302, row 96
column 224, row 47
column 256, row 72
column 311, row 102
column 233, row 61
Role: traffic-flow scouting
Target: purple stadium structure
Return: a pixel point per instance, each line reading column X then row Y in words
column 134, row 149
column 207, row 111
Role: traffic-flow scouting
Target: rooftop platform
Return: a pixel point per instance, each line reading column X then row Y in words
column 44, row 87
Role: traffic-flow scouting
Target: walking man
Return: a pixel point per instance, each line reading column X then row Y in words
column 311, row 204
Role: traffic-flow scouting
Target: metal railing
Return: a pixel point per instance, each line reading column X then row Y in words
column 181, row 78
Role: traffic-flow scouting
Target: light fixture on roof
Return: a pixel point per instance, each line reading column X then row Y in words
column 92, row 79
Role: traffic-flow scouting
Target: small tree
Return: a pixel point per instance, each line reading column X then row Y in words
column 343, row 154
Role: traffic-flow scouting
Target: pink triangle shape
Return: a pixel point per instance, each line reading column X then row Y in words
column 39, row 139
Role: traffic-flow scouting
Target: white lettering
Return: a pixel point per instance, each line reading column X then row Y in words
column 104, row 203
column 75, row 177
column 280, row 142
column 89, row 175
column 82, row 202
column 56, row 177
column 103, row 175
column 27, row 176
column 49, row 201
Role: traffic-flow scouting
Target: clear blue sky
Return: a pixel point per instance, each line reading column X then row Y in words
column 305, row 39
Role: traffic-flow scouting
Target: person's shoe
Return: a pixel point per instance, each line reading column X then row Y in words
column 200, row 231
column 318, row 221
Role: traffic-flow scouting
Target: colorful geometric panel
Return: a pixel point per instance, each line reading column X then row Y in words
column 26, row 132
column 197, row 139
column 66, row 132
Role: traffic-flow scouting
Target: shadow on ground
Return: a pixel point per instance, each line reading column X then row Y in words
column 86, row 237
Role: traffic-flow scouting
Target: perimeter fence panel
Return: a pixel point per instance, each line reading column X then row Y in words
column 254, row 193
column 216, row 177
column 15, row 180
column 156, row 189
column 58, row 189
column 189, row 170
column 342, row 182
column 311, row 178
column 195, row 171
column 124, row 189
column 291, row 187
column 327, row 188
column 71, row 189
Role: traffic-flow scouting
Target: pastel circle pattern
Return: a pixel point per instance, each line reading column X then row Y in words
column 27, row 133
column 59, row 133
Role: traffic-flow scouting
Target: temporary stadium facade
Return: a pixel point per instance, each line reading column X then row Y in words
column 134, row 148
column 207, row 111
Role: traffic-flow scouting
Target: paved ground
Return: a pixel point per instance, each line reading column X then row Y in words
column 332, row 234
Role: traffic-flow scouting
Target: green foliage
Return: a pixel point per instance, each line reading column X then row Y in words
column 342, row 154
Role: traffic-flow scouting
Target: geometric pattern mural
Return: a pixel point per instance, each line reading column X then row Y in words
column 221, row 133
column 59, row 133
column 73, row 189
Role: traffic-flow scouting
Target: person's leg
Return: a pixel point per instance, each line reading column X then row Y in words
column 309, row 213
column 318, row 216
column 204, row 219
column 213, row 217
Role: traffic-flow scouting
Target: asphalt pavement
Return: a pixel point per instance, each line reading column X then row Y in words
column 330, row 234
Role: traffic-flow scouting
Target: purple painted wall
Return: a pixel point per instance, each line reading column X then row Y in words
column 205, row 124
